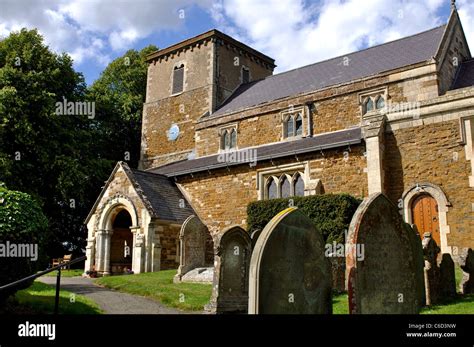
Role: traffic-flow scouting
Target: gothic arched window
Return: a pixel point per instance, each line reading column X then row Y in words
column 380, row 103
column 233, row 139
column 285, row 187
column 298, row 185
column 271, row 189
column 289, row 127
column 299, row 125
column 369, row 105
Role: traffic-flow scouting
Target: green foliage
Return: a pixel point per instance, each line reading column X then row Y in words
column 119, row 94
column 39, row 299
column 331, row 213
column 21, row 222
column 63, row 160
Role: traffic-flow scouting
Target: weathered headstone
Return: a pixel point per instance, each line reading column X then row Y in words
column 384, row 279
column 417, row 250
column 430, row 253
column 192, row 243
column 466, row 262
column 338, row 271
column 231, row 264
column 447, row 277
column 289, row 273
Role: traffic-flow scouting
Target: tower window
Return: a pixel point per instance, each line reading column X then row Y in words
column 178, row 79
column 245, row 75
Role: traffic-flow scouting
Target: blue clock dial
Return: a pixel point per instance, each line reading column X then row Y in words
column 173, row 132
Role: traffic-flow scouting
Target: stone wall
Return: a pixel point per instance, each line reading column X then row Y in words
column 230, row 63
column 182, row 110
column 197, row 67
column 433, row 153
column 334, row 109
column 220, row 197
column 169, row 239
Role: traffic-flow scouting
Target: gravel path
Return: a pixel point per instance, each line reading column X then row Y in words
column 111, row 301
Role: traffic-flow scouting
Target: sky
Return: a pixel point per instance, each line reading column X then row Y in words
column 293, row 32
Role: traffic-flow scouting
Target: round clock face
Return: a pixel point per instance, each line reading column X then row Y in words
column 173, row 132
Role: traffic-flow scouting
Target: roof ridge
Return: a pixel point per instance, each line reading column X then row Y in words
column 136, row 171
column 351, row 53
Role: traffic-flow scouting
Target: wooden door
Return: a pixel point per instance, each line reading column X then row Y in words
column 425, row 216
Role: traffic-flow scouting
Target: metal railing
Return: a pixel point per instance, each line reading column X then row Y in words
column 39, row 274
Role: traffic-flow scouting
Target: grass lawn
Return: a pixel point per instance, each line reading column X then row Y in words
column 67, row 273
column 39, row 299
column 160, row 286
column 459, row 305
column 340, row 304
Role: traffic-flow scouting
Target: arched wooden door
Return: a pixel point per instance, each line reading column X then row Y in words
column 424, row 210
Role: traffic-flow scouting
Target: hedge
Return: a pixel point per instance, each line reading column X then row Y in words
column 21, row 222
column 330, row 213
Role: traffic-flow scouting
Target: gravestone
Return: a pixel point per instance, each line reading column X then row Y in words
column 289, row 273
column 447, row 277
column 338, row 271
column 466, row 262
column 192, row 243
column 231, row 264
column 417, row 250
column 430, row 253
column 384, row 280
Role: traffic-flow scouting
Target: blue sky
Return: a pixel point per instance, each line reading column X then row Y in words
column 293, row 32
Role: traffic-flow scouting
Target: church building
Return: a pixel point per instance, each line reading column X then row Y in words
column 220, row 130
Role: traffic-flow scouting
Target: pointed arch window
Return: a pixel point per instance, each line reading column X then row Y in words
column 233, row 138
column 369, row 105
column 285, row 187
column 380, row 103
column 228, row 138
column 289, row 127
column 271, row 189
column 299, row 125
column 298, row 185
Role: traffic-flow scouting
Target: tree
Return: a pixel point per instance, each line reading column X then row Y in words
column 51, row 156
column 21, row 223
column 119, row 94
column 60, row 159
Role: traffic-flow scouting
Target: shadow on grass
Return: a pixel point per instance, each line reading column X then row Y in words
column 39, row 299
column 461, row 304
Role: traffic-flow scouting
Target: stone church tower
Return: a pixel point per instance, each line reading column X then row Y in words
column 187, row 81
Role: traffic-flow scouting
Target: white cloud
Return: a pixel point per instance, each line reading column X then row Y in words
column 466, row 12
column 92, row 30
column 296, row 34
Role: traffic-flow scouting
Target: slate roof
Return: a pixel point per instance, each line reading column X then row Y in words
column 163, row 195
column 465, row 75
column 266, row 152
column 368, row 62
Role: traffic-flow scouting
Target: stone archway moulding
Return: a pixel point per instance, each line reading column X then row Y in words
column 443, row 205
column 104, row 231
